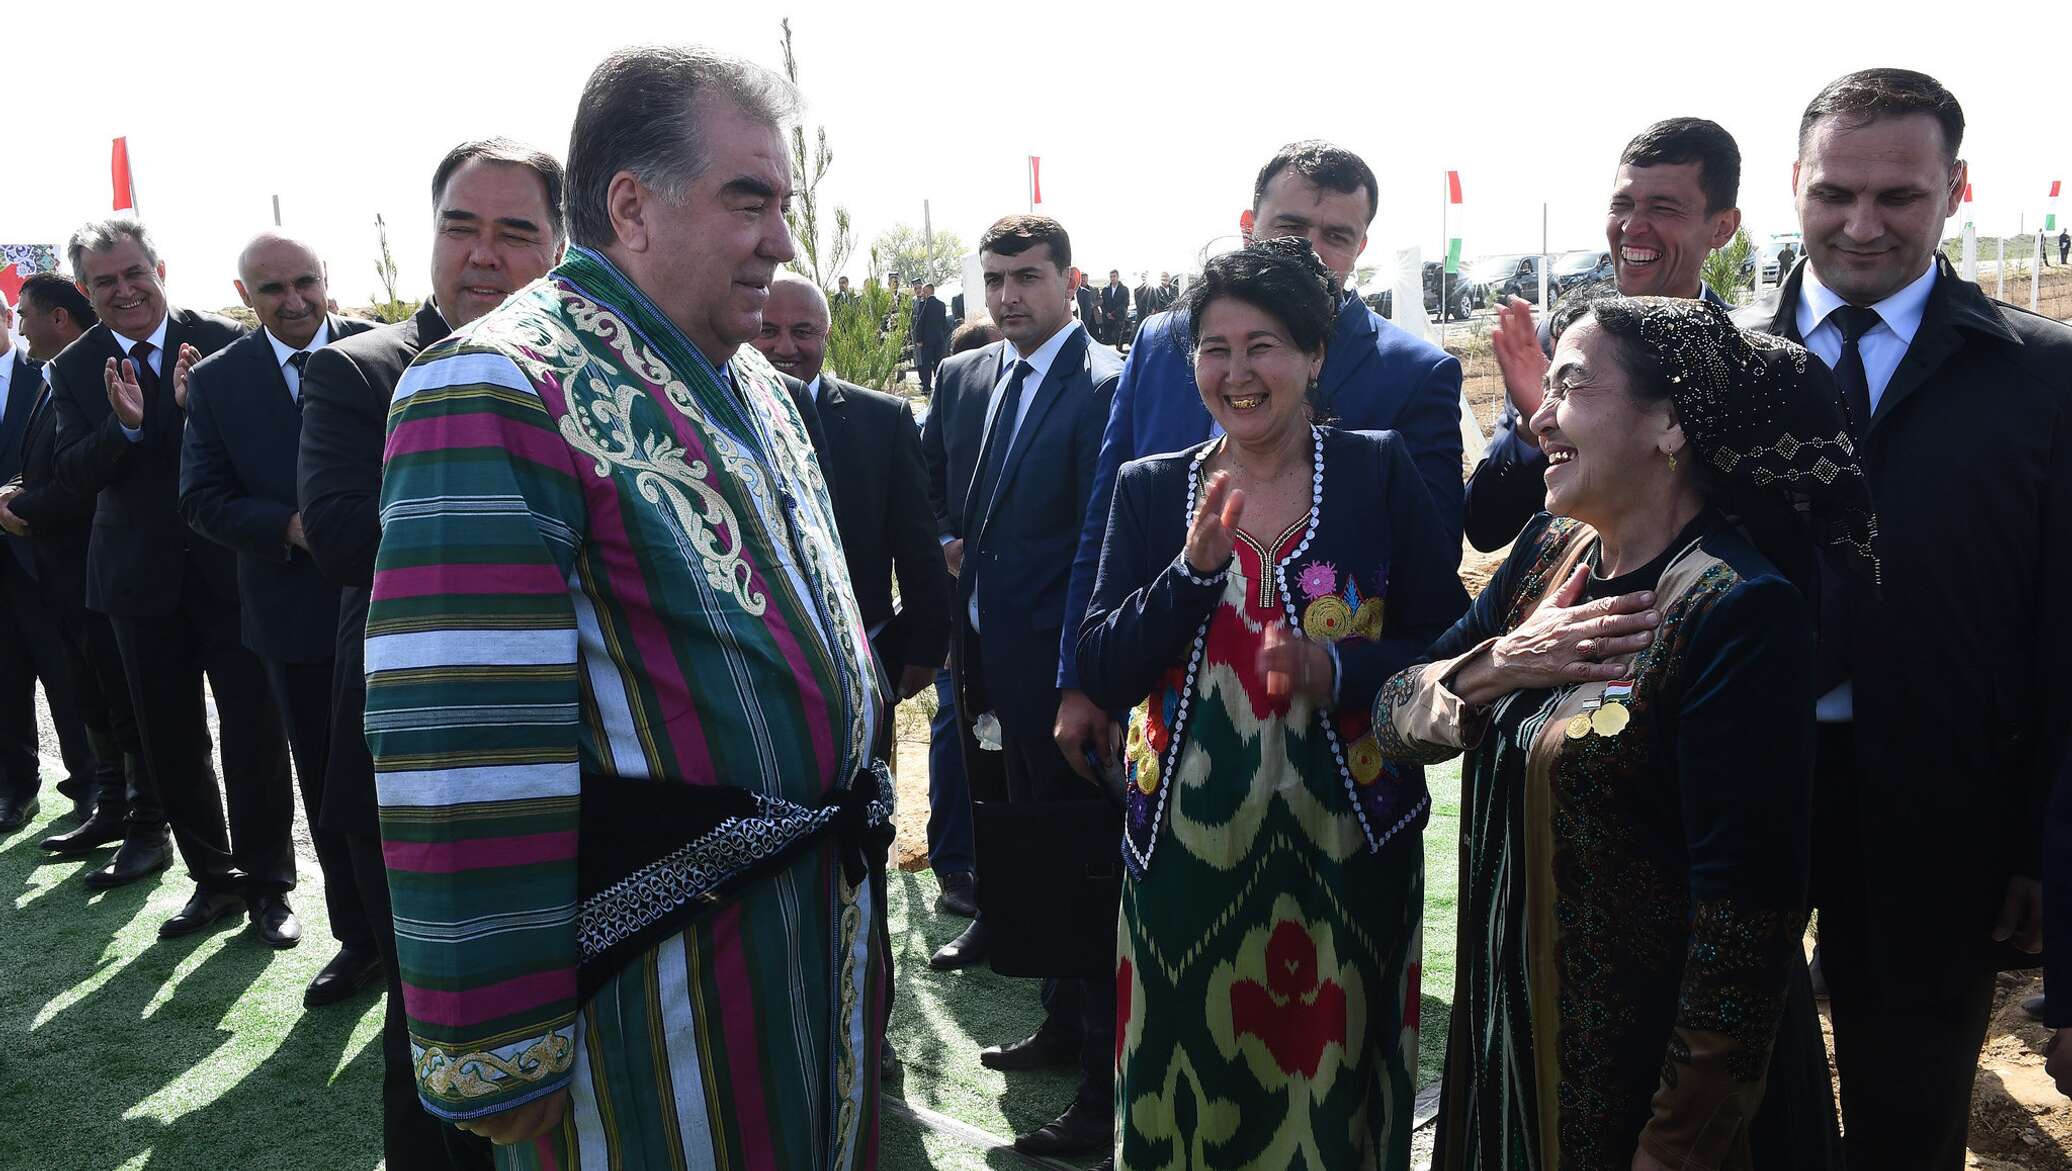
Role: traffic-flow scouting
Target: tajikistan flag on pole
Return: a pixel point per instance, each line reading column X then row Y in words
column 1446, row 218
column 2050, row 212
column 1470, row 428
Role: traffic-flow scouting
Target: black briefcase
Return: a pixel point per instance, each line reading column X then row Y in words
column 1050, row 885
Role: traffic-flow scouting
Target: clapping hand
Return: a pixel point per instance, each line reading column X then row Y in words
column 125, row 395
column 1295, row 666
column 1518, row 354
column 1212, row 534
column 188, row 357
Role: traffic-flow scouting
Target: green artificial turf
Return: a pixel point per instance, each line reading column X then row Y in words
column 119, row 1050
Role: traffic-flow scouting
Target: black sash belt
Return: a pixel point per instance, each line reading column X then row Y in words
column 653, row 857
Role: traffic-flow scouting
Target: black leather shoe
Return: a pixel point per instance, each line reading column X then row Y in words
column 102, row 828
column 1037, row 1052
column 959, row 896
column 201, row 910
column 138, row 857
column 1080, row 1130
column 965, row 951
column 348, row 972
column 15, row 812
column 275, row 922
column 888, row 1061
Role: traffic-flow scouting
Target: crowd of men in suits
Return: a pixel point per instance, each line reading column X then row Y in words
column 1112, row 313
column 188, row 500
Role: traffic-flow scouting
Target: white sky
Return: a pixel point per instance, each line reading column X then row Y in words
column 1151, row 119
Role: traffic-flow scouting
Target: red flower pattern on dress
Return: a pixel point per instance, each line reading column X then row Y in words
column 1293, row 1015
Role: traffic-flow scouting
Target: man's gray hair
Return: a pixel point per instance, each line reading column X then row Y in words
column 102, row 235
column 637, row 115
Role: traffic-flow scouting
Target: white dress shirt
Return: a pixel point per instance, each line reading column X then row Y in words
column 1039, row 367
column 7, row 378
column 282, row 351
column 156, row 361
column 1882, row 347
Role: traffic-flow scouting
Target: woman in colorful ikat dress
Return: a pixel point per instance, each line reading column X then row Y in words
column 1254, row 592
column 1632, row 987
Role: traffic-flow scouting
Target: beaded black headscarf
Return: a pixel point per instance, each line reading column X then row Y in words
column 1765, row 417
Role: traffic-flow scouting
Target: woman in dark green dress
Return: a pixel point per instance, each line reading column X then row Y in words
column 1634, row 690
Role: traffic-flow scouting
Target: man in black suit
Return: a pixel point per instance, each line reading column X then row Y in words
column 1011, row 443
column 1944, row 719
column 1115, row 308
column 1089, row 308
column 496, row 229
column 870, row 452
column 30, row 646
column 120, row 394
column 931, row 335
column 52, row 522
column 237, row 488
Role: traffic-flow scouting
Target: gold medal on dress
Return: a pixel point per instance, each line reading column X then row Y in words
column 1579, row 727
column 1611, row 719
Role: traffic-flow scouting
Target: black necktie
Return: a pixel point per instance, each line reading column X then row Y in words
column 1831, row 662
column 300, row 360
column 147, row 379
column 1854, row 321
column 999, row 437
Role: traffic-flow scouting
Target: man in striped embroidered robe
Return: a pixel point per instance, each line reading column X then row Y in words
column 618, row 690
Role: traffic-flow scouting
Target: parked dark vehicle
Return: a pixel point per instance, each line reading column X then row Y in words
column 1581, row 267
column 1513, row 275
column 1462, row 295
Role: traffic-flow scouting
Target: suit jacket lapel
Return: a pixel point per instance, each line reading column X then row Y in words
column 1785, row 321
column 24, row 386
column 1352, row 345
column 1069, row 364
column 1954, row 304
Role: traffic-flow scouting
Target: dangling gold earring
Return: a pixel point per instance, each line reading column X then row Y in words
column 1672, row 461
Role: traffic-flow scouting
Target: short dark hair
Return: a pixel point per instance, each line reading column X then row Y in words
column 1282, row 278
column 1329, row 166
column 1674, row 141
column 637, row 114
column 56, row 292
column 517, row 154
column 1869, row 95
column 1013, row 235
column 973, row 334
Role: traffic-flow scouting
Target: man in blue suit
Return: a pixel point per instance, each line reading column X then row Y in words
column 1011, row 444
column 1375, row 378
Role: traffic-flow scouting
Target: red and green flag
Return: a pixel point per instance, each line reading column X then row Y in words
column 1452, row 203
